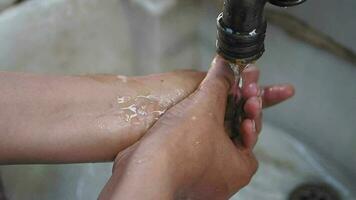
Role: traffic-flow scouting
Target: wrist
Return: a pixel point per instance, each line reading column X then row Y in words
column 88, row 107
column 160, row 166
column 138, row 174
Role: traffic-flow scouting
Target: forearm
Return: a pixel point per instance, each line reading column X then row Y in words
column 57, row 119
column 48, row 119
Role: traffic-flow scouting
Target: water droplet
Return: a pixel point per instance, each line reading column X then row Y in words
column 121, row 100
column 122, row 78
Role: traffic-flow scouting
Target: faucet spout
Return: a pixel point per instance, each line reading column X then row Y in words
column 242, row 28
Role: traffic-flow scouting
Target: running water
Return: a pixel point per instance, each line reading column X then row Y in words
column 235, row 102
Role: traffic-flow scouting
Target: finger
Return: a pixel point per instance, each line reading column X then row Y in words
column 248, row 133
column 253, row 107
column 215, row 88
column 276, row 94
column 250, row 90
column 250, row 75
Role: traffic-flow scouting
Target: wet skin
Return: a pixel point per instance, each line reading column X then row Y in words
column 188, row 154
column 71, row 119
column 56, row 119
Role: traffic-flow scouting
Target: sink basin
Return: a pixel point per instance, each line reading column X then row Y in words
column 308, row 139
column 286, row 163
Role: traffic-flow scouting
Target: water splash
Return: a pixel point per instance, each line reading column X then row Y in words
column 141, row 111
column 121, row 100
column 137, row 108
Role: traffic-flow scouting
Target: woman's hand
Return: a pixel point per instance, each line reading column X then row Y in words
column 187, row 154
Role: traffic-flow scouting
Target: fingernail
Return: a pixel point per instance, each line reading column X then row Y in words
column 220, row 67
column 260, row 101
column 218, row 60
column 250, row 67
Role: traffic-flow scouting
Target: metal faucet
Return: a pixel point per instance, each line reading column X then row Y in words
column 242, row 29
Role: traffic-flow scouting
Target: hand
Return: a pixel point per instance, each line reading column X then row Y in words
column 187, row 153
column 268, row 95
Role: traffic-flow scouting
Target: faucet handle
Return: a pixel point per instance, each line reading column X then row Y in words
column 286, row 3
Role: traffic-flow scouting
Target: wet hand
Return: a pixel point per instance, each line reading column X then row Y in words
column 187, row 153
column 129, row 106
column 256, row 97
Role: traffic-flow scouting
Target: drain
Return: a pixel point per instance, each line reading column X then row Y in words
column 312, row 191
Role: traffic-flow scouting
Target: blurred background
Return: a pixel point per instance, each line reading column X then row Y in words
column 310, row 139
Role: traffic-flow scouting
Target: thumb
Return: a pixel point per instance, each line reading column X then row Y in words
column 215, row 88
